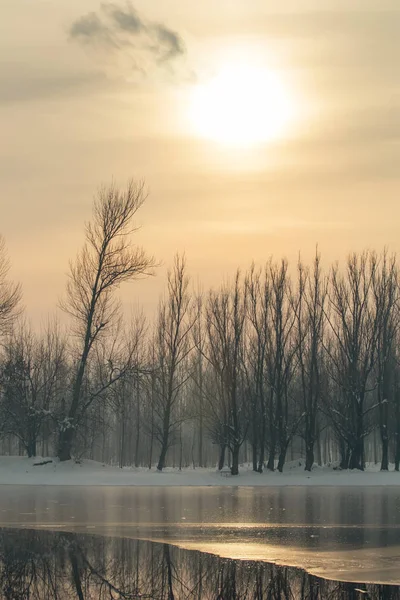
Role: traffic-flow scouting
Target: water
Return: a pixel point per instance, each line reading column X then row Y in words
column 42, row 565
column 344, row 535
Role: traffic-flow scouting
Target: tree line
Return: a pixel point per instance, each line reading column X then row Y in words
column 273, row 362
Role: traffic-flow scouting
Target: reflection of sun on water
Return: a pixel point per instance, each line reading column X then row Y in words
column 242, row 105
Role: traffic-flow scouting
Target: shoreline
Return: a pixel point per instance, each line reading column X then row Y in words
column 15, row 470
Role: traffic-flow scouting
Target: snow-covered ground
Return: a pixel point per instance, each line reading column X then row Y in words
column 16, row 470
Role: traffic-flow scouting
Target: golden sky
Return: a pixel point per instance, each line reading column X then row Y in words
column 92, row 90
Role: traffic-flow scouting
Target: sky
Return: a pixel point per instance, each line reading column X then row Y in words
column 93, row 91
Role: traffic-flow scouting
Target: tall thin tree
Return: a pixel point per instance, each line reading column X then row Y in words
column 107, row 260
column 173, row 346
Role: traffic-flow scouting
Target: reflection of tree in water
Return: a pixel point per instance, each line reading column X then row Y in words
column 40, row 565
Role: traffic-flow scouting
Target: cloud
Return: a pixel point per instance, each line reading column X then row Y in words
column 120, row 28
column 170, row 42
column 125, row 20
column 50, row 83
column 87, row 27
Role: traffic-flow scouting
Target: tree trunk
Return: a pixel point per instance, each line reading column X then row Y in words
column 310, row 436
column 165, row 438
column 282, row 459
column 65, row 444
column 384, row 418
column 31, row 448
column 385, row 449
column 255, row 434
column 137, row 441
column 201, row 412
column 235, row 460
column 319, row 451
column 272, row 434
column 271, row 459
column 309, row 455
column 180, row 447
column 163, row 455
column 151, row 450
column 254, row 456
column 261, row 460
column 397, row 455
column 356, row 456
column 262, row 440
column 201, row 437
column 66, row 436
column 375, row 449
column 344, row 452
column 122, row 442
column 152, row 422
column 384, row 395
column 221, row 460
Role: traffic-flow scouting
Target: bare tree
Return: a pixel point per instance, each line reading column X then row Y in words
column 10, row 293
column 149, row 389
column 216, row 408
column 312, row 292
column 352, row 351
column 225, row 314
column 173, row 345
column 258, row 311
column 125, row 394
column 386, row 298
column 198, row 373
column 34, row 368
column 281, row 360
column 107, row 260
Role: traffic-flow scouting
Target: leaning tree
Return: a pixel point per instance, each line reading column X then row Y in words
column 107, row 259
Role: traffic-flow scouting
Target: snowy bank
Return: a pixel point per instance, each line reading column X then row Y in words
column 16, row 470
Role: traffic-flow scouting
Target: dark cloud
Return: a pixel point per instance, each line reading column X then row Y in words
column 170, row 41
column 126, row 20
column 120, row 27
column 87, row 26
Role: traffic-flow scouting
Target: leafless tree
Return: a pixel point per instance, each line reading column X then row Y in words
column 312, row 293
column 149, row 389
column 386, row 298
column 258, row 311
column 216, row 409
column 354, row 324
column 10, row 293
column 197, row 371
column 126, row 392
column 173, row 346
column 107, row 260
column 281, row 360
column 33, row 374
column 225, row 315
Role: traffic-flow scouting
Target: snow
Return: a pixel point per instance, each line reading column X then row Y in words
column 16, row 470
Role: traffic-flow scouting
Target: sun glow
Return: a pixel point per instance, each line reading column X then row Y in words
column 242, row 105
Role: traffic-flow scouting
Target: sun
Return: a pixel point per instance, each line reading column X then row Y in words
column 241, row 105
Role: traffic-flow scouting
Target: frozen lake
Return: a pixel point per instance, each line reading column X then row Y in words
column 44, row 565
column 344, row 534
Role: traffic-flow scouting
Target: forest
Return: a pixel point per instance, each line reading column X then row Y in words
column 283, row 361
